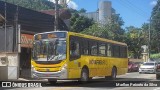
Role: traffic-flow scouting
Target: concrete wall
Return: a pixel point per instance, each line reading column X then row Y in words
column 9, row 66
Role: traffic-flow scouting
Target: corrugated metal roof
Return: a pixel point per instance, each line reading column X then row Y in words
column 30, row 20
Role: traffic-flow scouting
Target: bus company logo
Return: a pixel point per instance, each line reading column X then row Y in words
column 47, row 70
column 6, row 84
column 98, row 62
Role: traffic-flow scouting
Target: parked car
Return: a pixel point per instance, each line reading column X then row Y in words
column 148, row 67
column 158, row 71
column 132, row 66
column 138, row 64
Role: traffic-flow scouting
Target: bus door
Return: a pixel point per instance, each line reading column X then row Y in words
column 74, row 58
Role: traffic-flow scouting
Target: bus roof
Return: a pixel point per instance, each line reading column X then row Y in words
column 87, row 36
column 96, row 38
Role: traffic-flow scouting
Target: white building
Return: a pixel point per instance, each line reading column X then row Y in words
column 103, row 15
column 104, row 11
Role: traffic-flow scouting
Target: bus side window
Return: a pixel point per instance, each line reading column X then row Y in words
column 74, row 50
column 84, row 46
column 109, row 50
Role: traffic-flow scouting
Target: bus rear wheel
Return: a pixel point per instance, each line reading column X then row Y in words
column 113, row 74
column 84, row 75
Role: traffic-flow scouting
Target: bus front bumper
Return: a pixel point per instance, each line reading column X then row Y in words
column 62, row 74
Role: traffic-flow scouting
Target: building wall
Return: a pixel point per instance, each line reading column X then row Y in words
column 104, row 11
column 103, row 15
column 91, row 15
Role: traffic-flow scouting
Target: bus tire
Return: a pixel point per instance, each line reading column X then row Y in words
column 52, row 81
column 84, row 75
column 114, row 73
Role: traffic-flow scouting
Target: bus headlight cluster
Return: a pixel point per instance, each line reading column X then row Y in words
column 64, row 74
column 64, row 67
column 32, row 68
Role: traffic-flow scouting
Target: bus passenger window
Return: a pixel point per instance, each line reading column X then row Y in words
column 93, row 47
column 74, row 49
column 109, row 50
column 102, row 49
column 85, row 47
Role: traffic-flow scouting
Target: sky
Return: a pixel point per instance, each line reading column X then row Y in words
column 133, row 12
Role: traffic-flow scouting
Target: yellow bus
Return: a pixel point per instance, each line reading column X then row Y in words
column 61, row 55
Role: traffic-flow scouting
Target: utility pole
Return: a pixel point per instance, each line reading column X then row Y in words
column 56, row 16
column 5, row 28
column 149, row 38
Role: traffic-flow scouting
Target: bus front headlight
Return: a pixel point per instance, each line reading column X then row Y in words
column 64, row 73
column 32, row 68
column 64, row 67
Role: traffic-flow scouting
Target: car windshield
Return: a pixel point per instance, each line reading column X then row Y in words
column 148, row 64
column 49, row 50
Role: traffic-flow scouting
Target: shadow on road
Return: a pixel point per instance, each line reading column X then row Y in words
column 98, row 83
column 95, row 83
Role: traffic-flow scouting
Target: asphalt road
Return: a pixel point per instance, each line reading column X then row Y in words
column 129, row 81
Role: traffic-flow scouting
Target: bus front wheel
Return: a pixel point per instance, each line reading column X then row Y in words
column 84, row 75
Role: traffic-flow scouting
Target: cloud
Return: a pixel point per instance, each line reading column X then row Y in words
column 153, row 3
column 70, row 4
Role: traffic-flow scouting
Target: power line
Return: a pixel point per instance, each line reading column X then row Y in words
column 133, row 9
column 142, row 11
column 130, row 8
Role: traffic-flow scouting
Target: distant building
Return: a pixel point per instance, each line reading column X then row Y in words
column 105, row 10
column 103, row 15
column 91, row 15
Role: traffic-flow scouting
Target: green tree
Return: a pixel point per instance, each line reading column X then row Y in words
column 33, row 4
column 135, row 38
column 98, row 31
column 155, row 28
column 79, row 23
column 145, row 33
column 82, row 10
column 112, row 30
column 116, row 27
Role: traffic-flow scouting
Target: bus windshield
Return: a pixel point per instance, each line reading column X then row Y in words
column 49, row 50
